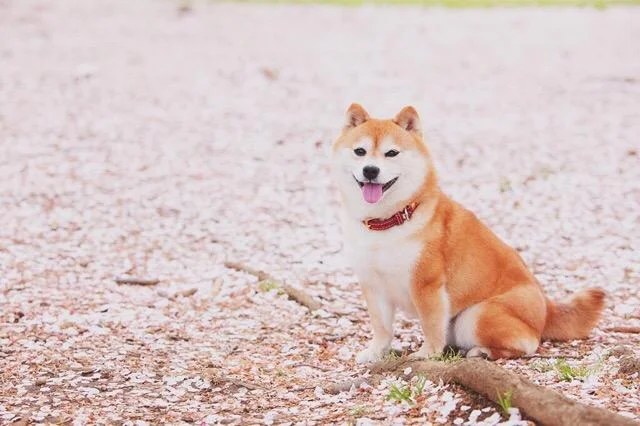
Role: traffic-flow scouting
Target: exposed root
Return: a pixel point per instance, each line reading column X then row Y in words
column 543, row 405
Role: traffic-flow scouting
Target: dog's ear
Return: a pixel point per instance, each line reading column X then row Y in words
column 409, row 120
column 356, row 115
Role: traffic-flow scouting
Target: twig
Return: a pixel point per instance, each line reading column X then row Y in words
column 301, row 297
column 630, row 330
column 295, row 294
column 136, row 280
column 316, row 367
column 303, row 388
column 543, row 405
column 261, row 275
column 536, row 356
column 217, row 379
column 336, row 388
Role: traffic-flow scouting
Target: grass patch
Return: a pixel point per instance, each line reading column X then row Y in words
column 599, row 4
column 505, row 401
column 400, row 393
column 407, row 392
column 568, row 373
column 505, row 185
column 266, row 286
column 391, row 356
column 565, row 371
column 449, row 355
column 419, row 386
column 358, row 411
column 541, row 366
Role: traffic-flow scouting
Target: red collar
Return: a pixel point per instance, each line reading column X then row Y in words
column 397, row 219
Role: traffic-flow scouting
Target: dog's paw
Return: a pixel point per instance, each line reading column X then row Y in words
column 425, row 352
column 371, row 354
column 422, row 353
column 479, row 352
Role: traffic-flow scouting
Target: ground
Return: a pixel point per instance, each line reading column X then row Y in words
column 159, row 140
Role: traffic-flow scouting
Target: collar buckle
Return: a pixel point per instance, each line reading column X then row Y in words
column 405, row 213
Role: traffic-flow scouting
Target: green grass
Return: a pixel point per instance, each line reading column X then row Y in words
column 541, row 366
column 400, row 393
column 565, row 371
column 449, row 356
column 390, row 356
column 458, row 3
column 268, row 285
column 569, row 373
column 505, row 401
column 407, row 392
column 505, row 185
column 358, row 411
column 419, row 386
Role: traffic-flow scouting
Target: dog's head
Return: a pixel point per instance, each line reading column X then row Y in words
column 380, row 166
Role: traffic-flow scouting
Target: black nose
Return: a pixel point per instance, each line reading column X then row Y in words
column 370, row 172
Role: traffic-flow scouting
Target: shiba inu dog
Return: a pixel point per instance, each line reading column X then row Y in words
column 413, row 248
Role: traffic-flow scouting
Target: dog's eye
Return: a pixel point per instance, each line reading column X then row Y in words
column 391, row 153
column 360, row 152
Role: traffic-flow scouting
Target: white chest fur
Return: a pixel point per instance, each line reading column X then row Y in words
column 385, row 261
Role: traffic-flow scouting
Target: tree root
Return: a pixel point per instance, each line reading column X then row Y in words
column 543, row 405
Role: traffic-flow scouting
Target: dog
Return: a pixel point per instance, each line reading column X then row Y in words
column 413, row 248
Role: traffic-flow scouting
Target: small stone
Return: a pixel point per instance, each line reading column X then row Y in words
column 629, row 365
column 189, row 292
column 620, row 350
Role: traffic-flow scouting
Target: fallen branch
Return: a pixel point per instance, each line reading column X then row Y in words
column 261, row 275
column 301, row 297
column 295, row 294
column 543, row 405
column 136, row 280
column 335, row 388
column 316, row 367
column 630, row 330
column 549, row 356
column 218, row 380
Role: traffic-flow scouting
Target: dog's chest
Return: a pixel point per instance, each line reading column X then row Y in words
column 385, row 261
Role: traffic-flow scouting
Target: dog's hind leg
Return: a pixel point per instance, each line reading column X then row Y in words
column 504, row 326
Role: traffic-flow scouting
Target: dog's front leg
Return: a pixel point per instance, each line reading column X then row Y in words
column 432, row 303
column 381, row 314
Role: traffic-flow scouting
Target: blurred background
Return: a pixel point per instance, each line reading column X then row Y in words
column 159, row 139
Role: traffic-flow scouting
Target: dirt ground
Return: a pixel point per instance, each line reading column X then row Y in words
column 159, row 140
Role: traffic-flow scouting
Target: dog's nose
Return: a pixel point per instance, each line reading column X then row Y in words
column 370, row 172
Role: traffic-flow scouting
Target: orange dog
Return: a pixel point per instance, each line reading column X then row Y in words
column 415, row 249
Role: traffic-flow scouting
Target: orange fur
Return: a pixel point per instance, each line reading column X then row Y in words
column 462, row 257
column 575, row 319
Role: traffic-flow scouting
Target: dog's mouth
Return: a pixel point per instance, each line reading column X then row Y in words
column 372, row 192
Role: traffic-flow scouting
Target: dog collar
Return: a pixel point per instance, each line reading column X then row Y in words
column 397, row 219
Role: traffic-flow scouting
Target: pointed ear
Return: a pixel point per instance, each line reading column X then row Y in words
column 409, row 120
column 356, row 115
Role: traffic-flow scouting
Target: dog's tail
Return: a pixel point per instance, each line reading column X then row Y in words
column 575, row 319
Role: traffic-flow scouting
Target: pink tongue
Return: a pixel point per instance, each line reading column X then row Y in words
column 372, row 192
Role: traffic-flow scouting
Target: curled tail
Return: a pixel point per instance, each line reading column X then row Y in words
column 575, row 319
